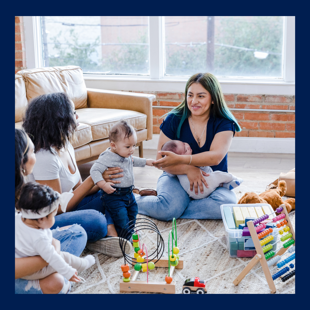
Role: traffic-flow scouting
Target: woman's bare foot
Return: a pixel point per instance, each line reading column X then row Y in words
column 112, row 231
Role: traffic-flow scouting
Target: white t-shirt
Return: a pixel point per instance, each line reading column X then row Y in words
column 31, row 242
column 49, row 166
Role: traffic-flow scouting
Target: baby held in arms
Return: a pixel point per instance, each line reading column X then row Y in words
column 214, row 180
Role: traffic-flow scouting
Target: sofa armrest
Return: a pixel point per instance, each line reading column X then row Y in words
column 109, row 99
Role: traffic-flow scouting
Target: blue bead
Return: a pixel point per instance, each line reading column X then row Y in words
column 292, row 265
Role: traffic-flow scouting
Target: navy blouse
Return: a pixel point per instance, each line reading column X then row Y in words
column 214, row 125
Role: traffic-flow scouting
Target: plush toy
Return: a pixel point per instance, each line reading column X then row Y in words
column 271, row 196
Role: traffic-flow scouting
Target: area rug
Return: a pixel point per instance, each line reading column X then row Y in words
column 203, row 248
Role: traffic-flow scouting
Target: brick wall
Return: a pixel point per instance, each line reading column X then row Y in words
column 20, row 57
column 271, row 116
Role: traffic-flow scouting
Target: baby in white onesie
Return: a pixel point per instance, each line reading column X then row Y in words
column 214, row 180
column 38, row 204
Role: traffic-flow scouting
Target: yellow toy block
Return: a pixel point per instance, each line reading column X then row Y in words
column 238, row 216
column 266, row 210
column 245, row 213
column 259, row 211
column 252, row 212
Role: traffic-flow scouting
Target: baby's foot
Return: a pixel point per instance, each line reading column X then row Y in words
column 90, row 260
column 233, row 184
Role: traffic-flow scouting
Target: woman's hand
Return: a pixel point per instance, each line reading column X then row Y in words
column 112, row 173
column 195, row 177
column 170, row 159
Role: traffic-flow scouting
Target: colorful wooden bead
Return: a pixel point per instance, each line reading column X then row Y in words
column 135, row 237
column 140, row 259
column 141, row 253
column 172, row 258
column 151, row 265
column 126, row 279
column 175, row 263
column 135, row 244
column 292, row 265
column 144, row 268
column 176, row 250
column 125, row 268
column 136, row 255
column 168, row 279
column 286, row 228
column 281, row 232
column 138, row 267
column 126, row 274
column 137, row 249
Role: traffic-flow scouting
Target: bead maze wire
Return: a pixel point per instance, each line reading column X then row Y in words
column 139, row 225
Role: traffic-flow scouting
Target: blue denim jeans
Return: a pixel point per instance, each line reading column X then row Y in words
column 72, row 240
column 172, row 201
column 123, row 208
column 91, row 214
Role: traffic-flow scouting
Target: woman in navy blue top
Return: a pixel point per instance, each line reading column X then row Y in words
column 204, row 121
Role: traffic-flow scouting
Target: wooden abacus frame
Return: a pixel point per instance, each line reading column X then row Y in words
column 151, row 286
column 260, row 256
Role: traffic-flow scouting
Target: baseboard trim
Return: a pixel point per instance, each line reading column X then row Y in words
column 247, row 145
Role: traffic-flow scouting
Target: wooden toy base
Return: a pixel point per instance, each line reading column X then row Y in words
column 151, row 286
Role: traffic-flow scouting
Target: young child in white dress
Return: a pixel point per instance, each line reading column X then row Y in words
column 214, row 180
column 38, row 205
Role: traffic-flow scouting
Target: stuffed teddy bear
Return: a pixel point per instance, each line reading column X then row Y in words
column 271, row 196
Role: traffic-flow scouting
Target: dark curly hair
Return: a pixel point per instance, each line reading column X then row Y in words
column 35, row 196
column 21, row 157
column 50, row 121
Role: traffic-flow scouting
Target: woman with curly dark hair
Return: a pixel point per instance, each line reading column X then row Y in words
column 71, row 238
column 51, row 120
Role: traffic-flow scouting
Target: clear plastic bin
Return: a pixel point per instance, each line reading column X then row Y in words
column 234, row 239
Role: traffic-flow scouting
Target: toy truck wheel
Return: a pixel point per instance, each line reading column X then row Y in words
column 200, row 291
column 186, row 290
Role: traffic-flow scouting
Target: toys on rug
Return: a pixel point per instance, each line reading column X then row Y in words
column 272, row 196
column 144, row 261
column 265, row 254
column 194, row 285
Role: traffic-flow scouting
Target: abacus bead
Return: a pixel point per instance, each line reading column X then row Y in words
column 175, row 263
column 292, row 265
column 135, row 237
column 126, row 274
column 281, row 232
column 135, row 244
column 279, row 225
column 144, row 268
column 137, row 249
column 126, row 279
column 291, row 249
column 138, row 267
column 136, row 255
column 286, row 228
column 140, row 259
column 279, row 210
column 141, row 253
column 125, row 268
column 172, row 258
column 151, row 265
column 288, row 243
column 176, row 250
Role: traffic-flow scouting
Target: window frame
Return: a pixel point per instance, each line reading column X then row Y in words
column 157, row 81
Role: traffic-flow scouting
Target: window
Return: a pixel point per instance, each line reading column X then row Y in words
column 227, row 46
column 258, row 49
column 98, row 44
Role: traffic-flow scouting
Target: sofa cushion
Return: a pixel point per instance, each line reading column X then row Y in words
column 72, row 78
column 102, row 120
column 82, row 135
column 41, row 81
column 21, row 101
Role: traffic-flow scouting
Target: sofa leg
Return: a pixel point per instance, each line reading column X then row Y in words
column 140, row 149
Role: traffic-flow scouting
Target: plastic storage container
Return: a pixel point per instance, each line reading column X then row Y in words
column 235, row 240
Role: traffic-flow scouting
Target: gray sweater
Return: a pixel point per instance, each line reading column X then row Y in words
column 109, row 159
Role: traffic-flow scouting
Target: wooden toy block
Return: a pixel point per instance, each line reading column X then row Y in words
column 229, row 218
column 238, row 216
column 252, row 212
column 259, row 211
column 266, row 210
column 245, row 212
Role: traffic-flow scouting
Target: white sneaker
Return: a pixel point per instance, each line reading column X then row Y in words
column 109, row 246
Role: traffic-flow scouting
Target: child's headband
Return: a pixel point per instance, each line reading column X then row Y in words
column 63, row 201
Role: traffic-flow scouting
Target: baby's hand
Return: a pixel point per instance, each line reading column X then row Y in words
column 149, row 162
column 75, row 278
column 108, row 188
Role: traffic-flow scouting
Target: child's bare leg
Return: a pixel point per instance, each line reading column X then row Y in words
column 53, row 284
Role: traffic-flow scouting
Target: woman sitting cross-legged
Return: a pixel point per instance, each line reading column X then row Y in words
column 50, row 120
column 204, row 122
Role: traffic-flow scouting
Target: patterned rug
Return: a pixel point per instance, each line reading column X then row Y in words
column 202, row 245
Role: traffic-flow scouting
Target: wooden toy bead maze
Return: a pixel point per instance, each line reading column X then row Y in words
column 154, row 259
column 262, row 258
